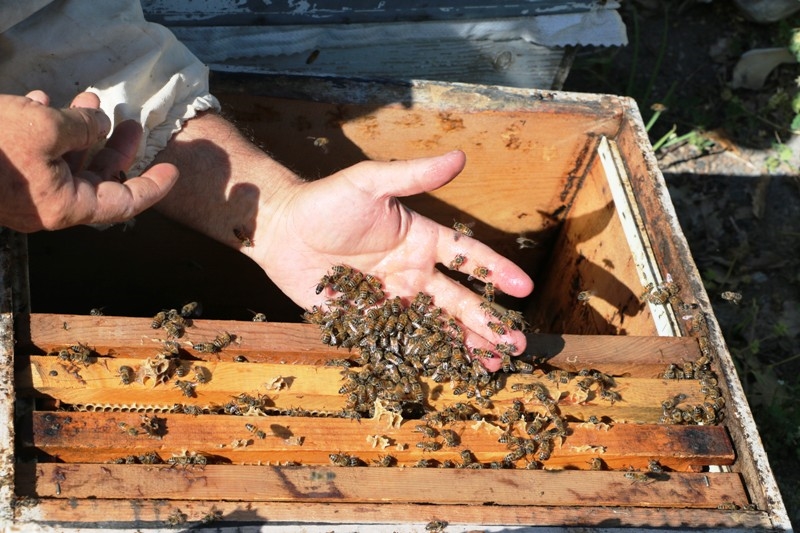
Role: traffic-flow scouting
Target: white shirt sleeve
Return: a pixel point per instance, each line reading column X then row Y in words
column 138, row 69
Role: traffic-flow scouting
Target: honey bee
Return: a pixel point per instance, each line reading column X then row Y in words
column 426, row 430
column 733, row 297
column 212, row 516
column 450, row 437
column 125, row 374
column 172, row 347
column 181, row 370
column 662, row 293
column 150, row 458
column 457, row 261
column 535, row 425
column 173, row 328
column 323, row 282
column 560, row 376
column 489, row 292
column 201, row 374
column 429, row 446
column 508, row 364
column 343, row 459
column 176, row 518
column 320, row 142
column 585, row 296
column 639, row 477
column 514, row 456
column 153, row 426
column 186, row 387
column 223, row 340
column 81, row 353
column 727, row 506
column 514, row 320
column 192, row 410
column 480, row 272
column 654, row 466
column 496, row 327
column 610, row 396
column 436, row 526
column 130, row 430
column 461, row 229
column 466, row 457
column 206, row 347
column 240, row 234
column 523, row 367
column 416, row 391
column 252, row 428
column 545, row 449
column 96, row 311
column 524, row 242
column 491, row 310
column 191, row 309
column 385, row 461
column 595, row 463
column 259, row 317
column 159, row 319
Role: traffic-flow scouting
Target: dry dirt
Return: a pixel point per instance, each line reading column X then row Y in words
column 734, row 184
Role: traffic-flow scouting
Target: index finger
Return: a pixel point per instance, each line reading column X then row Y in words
column 79, row 128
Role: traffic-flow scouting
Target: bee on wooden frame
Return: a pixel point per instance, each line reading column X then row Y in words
column 201, row 374
column 125, row 374
column 186, row 387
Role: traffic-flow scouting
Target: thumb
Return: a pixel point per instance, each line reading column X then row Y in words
column 409, row 177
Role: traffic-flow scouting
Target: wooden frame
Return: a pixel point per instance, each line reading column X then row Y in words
column 603, row 181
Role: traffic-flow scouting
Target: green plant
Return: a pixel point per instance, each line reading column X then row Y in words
column 782, row 155
column 794, row 47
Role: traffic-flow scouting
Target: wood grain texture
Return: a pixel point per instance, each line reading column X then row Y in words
column 142, row 513
column 374, row 485
column 98, row 437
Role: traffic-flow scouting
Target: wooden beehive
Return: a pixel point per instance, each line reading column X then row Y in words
column 572, row 172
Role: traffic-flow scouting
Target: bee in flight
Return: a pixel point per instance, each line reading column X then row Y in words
column 242, row 236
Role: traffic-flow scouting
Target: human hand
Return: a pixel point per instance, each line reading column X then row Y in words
column 42, row 156
column 354, row 217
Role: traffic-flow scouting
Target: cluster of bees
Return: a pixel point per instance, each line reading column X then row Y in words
column 399, row 343
column 673, row 411
column 153, row 426
column 77, row 354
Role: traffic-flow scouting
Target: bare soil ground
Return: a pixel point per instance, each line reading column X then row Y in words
column 732, row 169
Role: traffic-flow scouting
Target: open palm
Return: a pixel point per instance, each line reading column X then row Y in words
column 354, row 217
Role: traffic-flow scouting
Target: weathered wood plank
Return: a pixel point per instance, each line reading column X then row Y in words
column 99, row 437
column 398, row 485
column 140, row 513
column 639, row 356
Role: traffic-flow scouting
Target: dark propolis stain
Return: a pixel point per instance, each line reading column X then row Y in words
column 332, row 493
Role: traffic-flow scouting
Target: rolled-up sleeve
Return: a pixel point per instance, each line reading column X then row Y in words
column 139, row 70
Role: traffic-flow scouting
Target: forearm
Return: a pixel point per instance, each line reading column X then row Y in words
column 226, row 182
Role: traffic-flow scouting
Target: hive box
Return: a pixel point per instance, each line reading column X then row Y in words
column 617, row 291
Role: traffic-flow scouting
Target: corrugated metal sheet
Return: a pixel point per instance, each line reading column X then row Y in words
column 279, row 12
